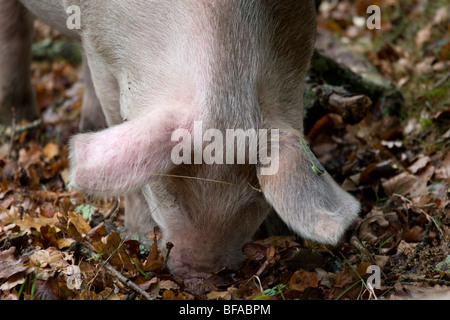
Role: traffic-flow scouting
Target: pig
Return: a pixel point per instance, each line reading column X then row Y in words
column 162, row 65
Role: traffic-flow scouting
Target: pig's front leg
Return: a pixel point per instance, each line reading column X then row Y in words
column 138, row 218
column 92, row 117
column 16, row 92
column 102, row 93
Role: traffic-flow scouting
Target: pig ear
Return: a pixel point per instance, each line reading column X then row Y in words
column 122, row 158
column 306, row 198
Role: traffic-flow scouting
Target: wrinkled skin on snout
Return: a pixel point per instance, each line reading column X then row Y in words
column 158, row 66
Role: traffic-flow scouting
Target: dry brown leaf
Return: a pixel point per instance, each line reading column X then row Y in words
column 425, row 66
column 170, row 295
column 64, row 242
column 219, row 295
column 49, row 257
column 13, row 281
column 168, row 285
column 365, row 229
column 441, row 15
column 419, row 164
column 154, row 259
column 77, row 220
column 109, row 294
column 423, row 36
column 86, row 295
column 344, row 277
column 72, row 224
column 324, row 277
column 8, row 216
column 51, row 150
column 381, row 260
column 427, row 173
column 254, row 251
column 97, row 233
column 30, row 157
column 415, row 292
column 405, row 248
column 351, row 183
column 379, row 226
column 114, row 252
column 443, row 172
column 67, row 227
column 302, row 279
column 405, row 183
column 415, row 234
column 27, row 222
column 9, row 265
column 153, row 282
column 361, row 269
column 74, row 277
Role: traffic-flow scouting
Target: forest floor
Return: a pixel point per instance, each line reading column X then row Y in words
column 56, row 243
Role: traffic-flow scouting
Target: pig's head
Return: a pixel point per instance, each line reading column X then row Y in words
column 242, row 66
column 208, row 211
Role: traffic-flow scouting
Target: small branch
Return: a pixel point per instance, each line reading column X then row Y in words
column 28, row 126
column 91, row 254
column 432, row 281
column 15, row 129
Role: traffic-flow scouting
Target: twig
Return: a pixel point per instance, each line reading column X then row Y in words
column 15, row 129
column 90, row 254
column 270, row 253
column 433, row 281
column 259, row 285
column 263, row 267
column 28, row 126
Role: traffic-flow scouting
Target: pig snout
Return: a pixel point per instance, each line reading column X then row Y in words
column 207, row 223
column 194, row 260
column 197, row 254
